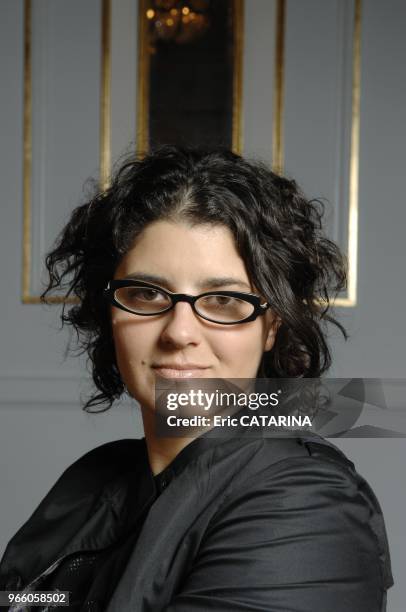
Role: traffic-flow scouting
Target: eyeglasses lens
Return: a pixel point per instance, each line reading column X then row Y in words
column 223, row 308
column 142, row 300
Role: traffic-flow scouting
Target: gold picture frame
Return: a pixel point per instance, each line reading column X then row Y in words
column 350, row 300
column 105, row 137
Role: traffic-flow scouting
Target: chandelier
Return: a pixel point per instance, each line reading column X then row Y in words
column 180, row 21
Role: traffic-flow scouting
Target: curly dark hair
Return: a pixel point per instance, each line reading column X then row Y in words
column 277, row 231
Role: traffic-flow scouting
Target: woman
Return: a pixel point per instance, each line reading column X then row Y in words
column 202, row 523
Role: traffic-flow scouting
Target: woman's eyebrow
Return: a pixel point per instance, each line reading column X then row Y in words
column 207, row 283
column 216, row 282
column 148, row 278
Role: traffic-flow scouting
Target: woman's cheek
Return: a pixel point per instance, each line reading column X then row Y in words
column 241, row 353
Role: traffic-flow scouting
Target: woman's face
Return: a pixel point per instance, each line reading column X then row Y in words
column 185, row 259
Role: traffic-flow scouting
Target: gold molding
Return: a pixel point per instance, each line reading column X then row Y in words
column 277, row 137
column 143, row 85
column 238, row 39
column 279, row 88
column 105, row 138
column 105, row 96
column 27, row 155
column 142, row 141
column 353, row 196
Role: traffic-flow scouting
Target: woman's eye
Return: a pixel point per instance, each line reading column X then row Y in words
column 220, row 300
column 138, row 294
column 146, row 294
column 224, row 300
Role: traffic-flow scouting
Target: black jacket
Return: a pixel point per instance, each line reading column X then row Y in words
column 230, row 525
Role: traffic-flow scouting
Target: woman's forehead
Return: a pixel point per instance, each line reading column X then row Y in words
column 169, row 251
column 170, row 243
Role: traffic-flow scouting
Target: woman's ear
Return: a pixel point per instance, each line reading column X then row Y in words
column 272, row 331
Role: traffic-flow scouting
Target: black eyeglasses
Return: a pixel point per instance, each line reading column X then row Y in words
column 146, row 299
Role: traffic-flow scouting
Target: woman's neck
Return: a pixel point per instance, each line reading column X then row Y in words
column 161, row 451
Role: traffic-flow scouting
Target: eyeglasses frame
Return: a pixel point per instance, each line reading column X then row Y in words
column 255, row 300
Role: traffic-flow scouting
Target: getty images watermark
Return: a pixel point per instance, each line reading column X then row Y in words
column 213, row 404
column 334, row 407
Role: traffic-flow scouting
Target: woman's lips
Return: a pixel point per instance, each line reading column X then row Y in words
column 175, row 372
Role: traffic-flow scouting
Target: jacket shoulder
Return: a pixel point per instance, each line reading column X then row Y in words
column 69, row 502
column 296, row 528
column 310, row 475
column 108, row 457
column 96, row 467
column 272, row 452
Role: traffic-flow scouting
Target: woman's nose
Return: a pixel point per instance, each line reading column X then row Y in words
column 182, row 326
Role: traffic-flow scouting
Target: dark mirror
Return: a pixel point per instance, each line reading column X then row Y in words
column 190, row 73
